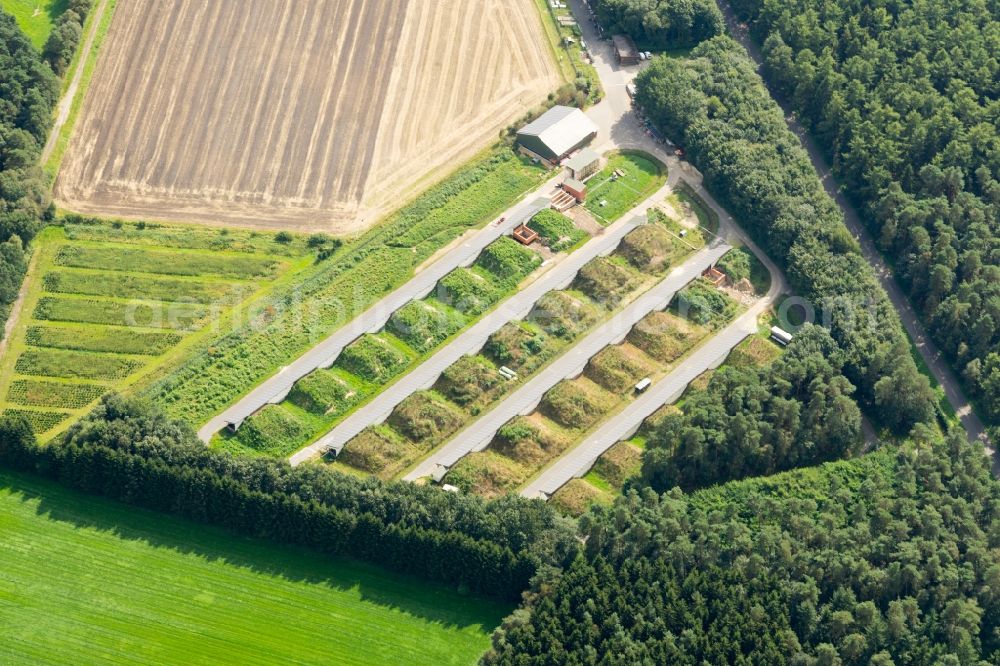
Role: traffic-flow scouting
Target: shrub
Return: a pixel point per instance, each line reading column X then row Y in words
column 703, row 304
column 664, row 336
column 606, row 281
column 179, row 316
column 323, row 392
column 373, row 450
column 647, row 248
column 424, row 325
column 272, row 431
column 467, row 291
column 423, row 419
column 373, row 359
column 557, row 231
column 527, row 443
column 572, row 406
column 508, row 260
column 563, row 315
column 613, row 369
column 467, row 379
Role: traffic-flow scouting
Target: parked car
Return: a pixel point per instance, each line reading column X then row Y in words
column 648, row 55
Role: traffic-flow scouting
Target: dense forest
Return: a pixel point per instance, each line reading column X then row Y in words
column 717, row 107
column 749, row 421
column 28, row 92
column 885, row 559
column 129, row 451
column 904, row 95
column 661, row 24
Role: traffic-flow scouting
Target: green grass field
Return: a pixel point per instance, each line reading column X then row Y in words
column 643, row 175
column 86, row 580
column 35, row 17
column 111, row 303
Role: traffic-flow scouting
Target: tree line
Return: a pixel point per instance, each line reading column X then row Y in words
column 885, row 559
column 796, row 412
column 28, row 92
column 716, row 106
column 904, row 97
column 129, row 451
column 661, row 24
column 65, row 36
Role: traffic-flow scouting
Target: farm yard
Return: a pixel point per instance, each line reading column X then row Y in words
column 308, row 145
column 111, row 303
column 99, row 581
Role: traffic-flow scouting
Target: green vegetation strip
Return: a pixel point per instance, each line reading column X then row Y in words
column 334, row 291
column 89, row 580
column 164, row 262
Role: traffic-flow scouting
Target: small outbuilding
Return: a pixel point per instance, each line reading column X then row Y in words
column 584, row 164
column 715, row 276
column 576, row 189
column 556, row 134
column 625, row 51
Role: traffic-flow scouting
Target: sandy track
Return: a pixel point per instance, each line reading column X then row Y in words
column 306, row 114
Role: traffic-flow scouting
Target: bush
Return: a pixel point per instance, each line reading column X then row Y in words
column 37, row 393
column 74, row 365
column 466, row 380
column 605, row 281
column 373, row 450
column 467, row 291
column 615, row 370
column 647, row 248
column 323, row 392
column 510, row 261
column 424, row 324
column 373, row 359
column 272, row 431
column 703, row 304
column 563, row 315
column 425, row 420
column 556, row 230
column 93, row 339
column 664, row 336
column 572, row 406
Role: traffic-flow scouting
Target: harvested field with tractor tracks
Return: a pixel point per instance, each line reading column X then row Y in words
column 353, row 106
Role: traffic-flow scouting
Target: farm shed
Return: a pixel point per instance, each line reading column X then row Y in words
column 577, row 189
column 557, row 133
column 584, row 164
column 625, row 51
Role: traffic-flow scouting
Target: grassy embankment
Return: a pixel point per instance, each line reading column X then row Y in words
column 606, row 479
column 110, row 304
column 87, row 580
column 331, row 293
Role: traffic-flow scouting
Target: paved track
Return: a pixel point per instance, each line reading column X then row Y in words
column 479, row 434
column 276, row 388
column 469, row 342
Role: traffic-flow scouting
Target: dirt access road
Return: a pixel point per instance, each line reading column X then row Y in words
column 298, row 114
column 931, row 355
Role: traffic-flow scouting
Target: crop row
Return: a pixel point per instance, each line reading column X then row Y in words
column 125, row 285
column 74, row 365
column 53, row 394
column 177, row 316
column 94, row 339
column 166, row 262
column 39, row 421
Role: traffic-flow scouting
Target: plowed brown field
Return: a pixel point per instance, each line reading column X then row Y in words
column 309, row 114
